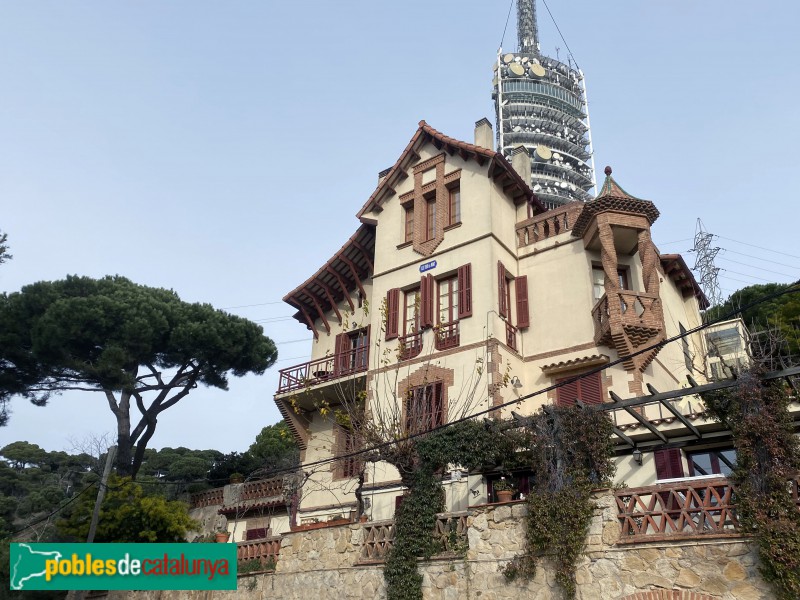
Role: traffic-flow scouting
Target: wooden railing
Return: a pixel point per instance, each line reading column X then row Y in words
column 511, row 336
column 447, row 336
column 262, row 488
column 207, row 498
column 323, row 369
column 684, row 508
column 410, row 345
column 265, row 550
column 450, row 533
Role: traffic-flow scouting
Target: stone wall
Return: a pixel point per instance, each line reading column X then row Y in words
column 324, row 564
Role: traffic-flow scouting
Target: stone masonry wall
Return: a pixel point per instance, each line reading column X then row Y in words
column 323, row 564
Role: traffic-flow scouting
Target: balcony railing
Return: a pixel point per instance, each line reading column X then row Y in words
column 262, row 488
column 637, row 310
column 511, row 336
column 410, row 345
column 684, row 508
column 265, row 550
column 447, row 336
column 450, row 533
column 325, row 369
column 207, row 498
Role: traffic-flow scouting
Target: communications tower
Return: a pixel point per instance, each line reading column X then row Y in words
column 540, row 103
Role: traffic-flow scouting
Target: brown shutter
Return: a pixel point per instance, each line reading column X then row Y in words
column 501, row 289
column 465, row 291
column 567, row 393
column 521, row 288
column 426, row 300
column 392, row 313
column 339, row 356
column 668, row 463
column 590, row 389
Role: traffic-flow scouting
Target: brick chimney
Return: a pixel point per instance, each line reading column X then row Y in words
column 521, row 161
column 484, row 137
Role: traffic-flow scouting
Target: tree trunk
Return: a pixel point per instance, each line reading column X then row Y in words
column 123, row 461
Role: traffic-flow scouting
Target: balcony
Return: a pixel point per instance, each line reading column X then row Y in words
column 265, row 550
column 410, row 345
column 511, row 336
column 637, row 313
column 212, row 497
column 322, row 370
column 693, row 508
column 447, row 336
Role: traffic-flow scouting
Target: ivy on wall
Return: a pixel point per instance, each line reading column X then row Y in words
column 570, row 454
column 767, row 457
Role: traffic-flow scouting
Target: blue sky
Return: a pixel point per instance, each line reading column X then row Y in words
column 222, row 149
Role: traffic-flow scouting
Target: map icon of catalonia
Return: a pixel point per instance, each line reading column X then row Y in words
column 27, row 563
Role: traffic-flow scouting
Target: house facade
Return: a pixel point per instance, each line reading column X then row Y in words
column 460, row 294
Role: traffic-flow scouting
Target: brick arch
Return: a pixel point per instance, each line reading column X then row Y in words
column 668, row 595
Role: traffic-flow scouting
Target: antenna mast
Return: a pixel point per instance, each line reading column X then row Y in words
column 527, row 29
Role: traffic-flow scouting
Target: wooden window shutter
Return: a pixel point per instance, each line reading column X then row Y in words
column 392, row 313
column 426, row 290
column 465, row 291
column 669, row 464
column 591, row 389
column 339, row 353
column 521, row 288
column 501, row 289
column 567, row 393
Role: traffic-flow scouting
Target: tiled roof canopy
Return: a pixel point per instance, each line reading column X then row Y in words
column 677, row 270
column 344, row 273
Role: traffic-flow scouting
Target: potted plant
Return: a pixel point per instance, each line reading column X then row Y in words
column 504, row 490
column 222, row 536
column 237, row 478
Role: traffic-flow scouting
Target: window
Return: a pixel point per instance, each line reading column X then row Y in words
column 448, row 300
column 409, row 216
column 669, row 463
column 587, row 389
column 425, row 408
column 430, row 218
column 454, row 206
column 725, row 341
column 687, row 353
column 711, row 462
column 346, row 444
column 257, row 529
column 351, row 351
column 599, row 280
column 411, row 320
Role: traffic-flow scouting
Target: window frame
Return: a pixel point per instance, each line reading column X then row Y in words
column 430, row 217
column 408, row 215
column 453, row 205
column 452, row 294
column 430, row 397
column 414, row 292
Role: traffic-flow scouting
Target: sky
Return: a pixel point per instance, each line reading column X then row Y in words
column 222, row 149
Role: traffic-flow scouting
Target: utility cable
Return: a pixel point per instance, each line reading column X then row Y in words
column 562, row 35
column 508, row 18
column 793, row 288
column 759, row 247
column 56, row 510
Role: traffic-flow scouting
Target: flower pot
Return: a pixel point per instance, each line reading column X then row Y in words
column 363, row 518
column 505, row 495
column 222, row 537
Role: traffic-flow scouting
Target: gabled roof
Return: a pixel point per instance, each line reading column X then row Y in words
column 499, row 169
column 676, row 269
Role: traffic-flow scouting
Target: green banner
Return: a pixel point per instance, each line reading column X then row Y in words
column 123, row 566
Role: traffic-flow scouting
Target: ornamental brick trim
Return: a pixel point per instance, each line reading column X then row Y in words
column 668, row 595
column 426, row 375
column 632, row 206
column 428, row 164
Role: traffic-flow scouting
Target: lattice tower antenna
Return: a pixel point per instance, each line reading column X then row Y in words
column 527, row 28
column 704, row 264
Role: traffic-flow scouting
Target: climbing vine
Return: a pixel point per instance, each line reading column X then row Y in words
column 421, row 464
column 767, row 457
column 571, row 450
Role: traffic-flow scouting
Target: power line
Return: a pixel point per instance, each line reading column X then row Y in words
column 736, row 262
column 761, row 259
column 759, row 247
column 793, row 288
column 56, row 510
